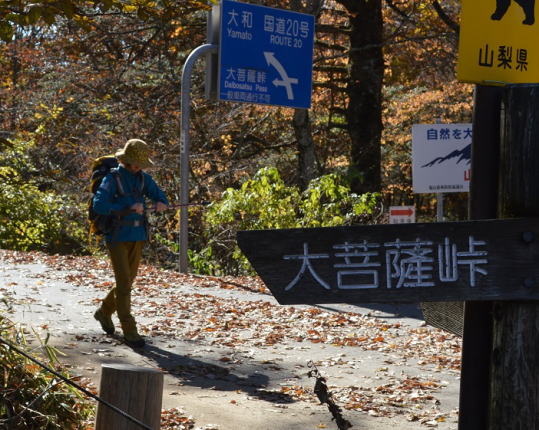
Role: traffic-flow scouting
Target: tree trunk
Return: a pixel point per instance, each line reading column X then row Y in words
column 515, row 364
column 307, row 163
column 308, row 166
column 364, row 113
column 15, row 71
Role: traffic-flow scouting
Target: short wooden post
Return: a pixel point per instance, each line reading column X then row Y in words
column 138, row 391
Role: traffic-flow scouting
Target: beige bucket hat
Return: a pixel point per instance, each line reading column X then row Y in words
column 135, row 152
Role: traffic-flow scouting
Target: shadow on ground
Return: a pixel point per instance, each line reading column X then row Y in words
column 388, row 310
column 204, row 375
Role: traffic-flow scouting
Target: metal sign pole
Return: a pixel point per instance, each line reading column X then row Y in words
column 262, row 65
column 184, row 149
column 440, row 207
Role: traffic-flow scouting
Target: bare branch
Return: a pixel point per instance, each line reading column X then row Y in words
column 444, row 17
column 394, row 7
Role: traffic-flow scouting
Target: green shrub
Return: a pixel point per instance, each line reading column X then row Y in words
column 32, row 218
column 328, row 202
column 32, row 398
column 266, row 202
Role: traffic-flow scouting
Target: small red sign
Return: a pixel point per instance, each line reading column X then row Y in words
column 401, row 214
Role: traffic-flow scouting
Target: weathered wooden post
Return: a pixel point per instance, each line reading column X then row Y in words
column 477, row 332
column 515, row 363
column 138, row 391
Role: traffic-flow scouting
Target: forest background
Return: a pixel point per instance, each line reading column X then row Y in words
column 79, row 78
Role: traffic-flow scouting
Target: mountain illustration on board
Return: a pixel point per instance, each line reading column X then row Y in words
column 462, row 154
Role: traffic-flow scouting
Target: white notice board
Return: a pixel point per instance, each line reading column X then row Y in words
column 441, row 158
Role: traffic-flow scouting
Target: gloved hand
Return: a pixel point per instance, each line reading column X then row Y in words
column 160, row 207
column 137, row 208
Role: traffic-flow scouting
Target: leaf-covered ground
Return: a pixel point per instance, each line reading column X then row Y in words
column 237, row 318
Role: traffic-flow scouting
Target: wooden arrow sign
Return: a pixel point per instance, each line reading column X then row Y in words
column 473, row 260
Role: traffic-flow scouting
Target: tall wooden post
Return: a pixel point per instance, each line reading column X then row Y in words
column 477, row 333
column 138, row 391
column 515, row 364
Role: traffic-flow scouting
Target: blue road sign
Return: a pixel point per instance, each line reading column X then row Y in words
column 265, row 55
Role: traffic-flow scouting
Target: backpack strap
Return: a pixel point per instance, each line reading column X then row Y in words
column 142, row 183
column 119, row 185
column 138, row 192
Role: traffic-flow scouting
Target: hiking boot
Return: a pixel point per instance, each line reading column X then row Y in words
column 134, row 340
column 131, row 336
column 105, row 320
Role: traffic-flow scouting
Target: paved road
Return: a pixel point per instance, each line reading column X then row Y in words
column 235, row 360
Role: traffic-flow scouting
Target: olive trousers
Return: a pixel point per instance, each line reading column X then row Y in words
column 125, row 259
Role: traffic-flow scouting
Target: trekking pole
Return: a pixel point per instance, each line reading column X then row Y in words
column 189, row 204
column 177, row 206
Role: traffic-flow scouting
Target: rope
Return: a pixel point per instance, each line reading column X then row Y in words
column 76, row 386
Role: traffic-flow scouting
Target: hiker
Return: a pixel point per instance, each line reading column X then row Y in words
column 127, row 238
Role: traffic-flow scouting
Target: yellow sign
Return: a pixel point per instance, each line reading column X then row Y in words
column 499, row 42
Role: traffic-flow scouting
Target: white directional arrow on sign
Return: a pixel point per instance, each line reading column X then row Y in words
column 285, row 80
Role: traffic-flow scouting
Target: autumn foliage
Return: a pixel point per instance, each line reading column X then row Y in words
column 80, row 78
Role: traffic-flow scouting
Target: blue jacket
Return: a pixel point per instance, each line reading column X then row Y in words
column 107, row 199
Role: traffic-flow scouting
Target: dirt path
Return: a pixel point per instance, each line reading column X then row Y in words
column 234, row 359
